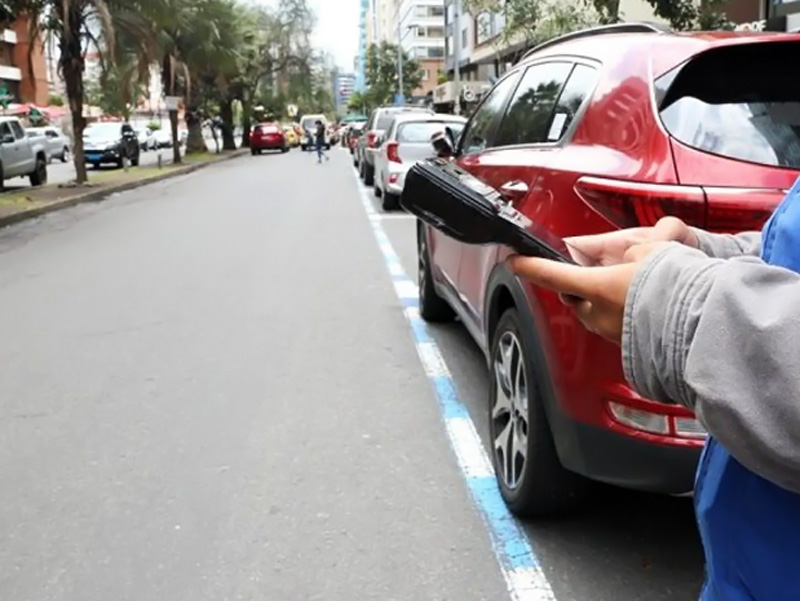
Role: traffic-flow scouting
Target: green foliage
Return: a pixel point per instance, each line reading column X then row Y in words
column 441, row 77
column 357, row 103
column 684, row 15
column 535, row 21
column 381, row 74
column 55, row 100
column 154, row 125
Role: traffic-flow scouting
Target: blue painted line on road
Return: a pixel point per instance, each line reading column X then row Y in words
column 518, row 563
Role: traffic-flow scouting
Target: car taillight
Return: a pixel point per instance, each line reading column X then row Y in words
column 656, row 423
column 732, row 210
column 631, row 204
column 372, row 139
column 391, row 152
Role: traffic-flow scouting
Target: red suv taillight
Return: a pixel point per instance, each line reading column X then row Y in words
column 732, row 210
column 632, row 204
column 391, row 152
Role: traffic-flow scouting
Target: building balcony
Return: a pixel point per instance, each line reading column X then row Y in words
column 10, row 73
column 9, row 36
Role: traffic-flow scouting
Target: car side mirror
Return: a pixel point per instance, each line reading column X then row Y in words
column 443, row 145
column 8, row 139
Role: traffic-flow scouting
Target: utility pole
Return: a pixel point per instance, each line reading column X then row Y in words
column 400, row 98
column 457, row 54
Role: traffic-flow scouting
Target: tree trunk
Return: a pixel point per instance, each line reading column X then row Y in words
column 194, row 138
column 246, row 122
column 226, row 113
column 176, row 147
column 72, row 64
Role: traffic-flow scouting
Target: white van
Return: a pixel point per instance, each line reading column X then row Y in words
column 309, row 124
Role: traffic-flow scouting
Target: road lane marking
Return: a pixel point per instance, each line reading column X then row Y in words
column 519, row 564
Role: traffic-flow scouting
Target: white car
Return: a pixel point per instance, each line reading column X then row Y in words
column 55, row 142
column 309, row 124
column 407, row 140
column 147, row 141
column 163, row 137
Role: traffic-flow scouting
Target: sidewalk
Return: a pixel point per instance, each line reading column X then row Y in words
column 28, row 203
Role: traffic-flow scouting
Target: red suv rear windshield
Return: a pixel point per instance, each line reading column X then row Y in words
column 741, row 102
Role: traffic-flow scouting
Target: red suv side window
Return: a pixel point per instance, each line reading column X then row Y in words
column 479, row 129
column 527, row 120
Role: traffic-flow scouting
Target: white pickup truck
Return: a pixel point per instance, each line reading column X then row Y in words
column 21, row 156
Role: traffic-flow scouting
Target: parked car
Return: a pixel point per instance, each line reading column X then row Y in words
column 291, row 136
column 110, row 142
column 597, row 130
column 56, row 143
column 147, row 141
column 163, row 137
column 354, row 132
column 21, row 156
column 379, row 120
column 309, row 124
column 407, row 140
column 268, row 136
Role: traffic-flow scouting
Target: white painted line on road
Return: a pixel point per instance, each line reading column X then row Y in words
column 518, row 563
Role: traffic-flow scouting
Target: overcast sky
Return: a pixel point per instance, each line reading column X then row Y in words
column 337, row 28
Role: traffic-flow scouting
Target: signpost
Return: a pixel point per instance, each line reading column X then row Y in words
column 172, row 102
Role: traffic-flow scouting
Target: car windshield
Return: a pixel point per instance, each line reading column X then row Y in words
column 309, row 123
column 753, row 117
column 420, row 132
column 102, row 130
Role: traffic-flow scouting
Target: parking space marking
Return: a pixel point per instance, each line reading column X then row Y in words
column 524, row 577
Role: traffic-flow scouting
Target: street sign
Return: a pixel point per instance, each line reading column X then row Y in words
column 172, row 102
column 292, row 110
column 399, row 99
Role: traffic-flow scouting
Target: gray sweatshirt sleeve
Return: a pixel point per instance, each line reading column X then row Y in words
column 721, row 337
column 726, row 246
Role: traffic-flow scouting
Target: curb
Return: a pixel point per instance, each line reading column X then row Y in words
column 98, row 195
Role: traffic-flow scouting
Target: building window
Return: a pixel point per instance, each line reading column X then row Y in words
column 421, row 32
column 450, row 49
column 424, row 73
column 435, row 32
column 484, row 28
column 464, row 39
column 430, row 11
column 437, row 52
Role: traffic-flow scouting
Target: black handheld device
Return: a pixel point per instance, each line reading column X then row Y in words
column 450, row 199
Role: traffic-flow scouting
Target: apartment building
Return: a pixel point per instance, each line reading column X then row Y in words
column 24, row 80
column 361, row 59
column 344, row 85
column 420, row 28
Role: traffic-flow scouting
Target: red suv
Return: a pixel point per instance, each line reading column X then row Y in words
column 602, row 129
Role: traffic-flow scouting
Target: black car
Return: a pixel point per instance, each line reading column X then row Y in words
column 110, row 143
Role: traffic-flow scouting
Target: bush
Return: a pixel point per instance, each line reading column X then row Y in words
column 154, row 125
column 56, row 100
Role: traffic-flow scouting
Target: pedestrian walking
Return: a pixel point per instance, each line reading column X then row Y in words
column 319, row 140
column 711, row 322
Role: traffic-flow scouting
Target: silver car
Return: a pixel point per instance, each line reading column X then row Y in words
column 56, row 143
column 407, row 140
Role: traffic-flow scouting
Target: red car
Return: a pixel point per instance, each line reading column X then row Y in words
column 603, row 129
column 268, row 136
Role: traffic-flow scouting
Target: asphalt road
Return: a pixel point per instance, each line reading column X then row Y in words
column 209, row 392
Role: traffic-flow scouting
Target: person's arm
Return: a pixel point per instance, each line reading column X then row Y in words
column 721, row 337
column 726, row 246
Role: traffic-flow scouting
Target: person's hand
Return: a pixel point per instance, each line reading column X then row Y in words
column 610, row 248
column 596, row 294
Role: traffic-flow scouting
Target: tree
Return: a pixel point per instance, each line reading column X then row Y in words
column 532, row 22
column 357, row 103
column 381, row 74
column 686, row 15
column 76, row 25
